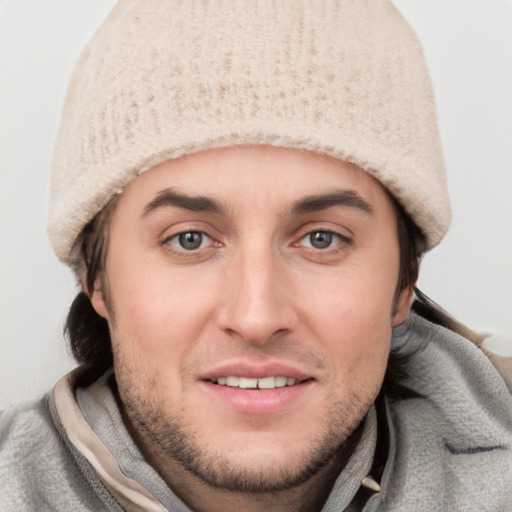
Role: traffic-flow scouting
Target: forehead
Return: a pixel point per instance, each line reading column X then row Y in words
column 263, row 174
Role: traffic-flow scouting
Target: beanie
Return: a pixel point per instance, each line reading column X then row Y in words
column 165, row 78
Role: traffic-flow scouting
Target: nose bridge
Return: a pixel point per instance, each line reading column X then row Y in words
column 259, row 303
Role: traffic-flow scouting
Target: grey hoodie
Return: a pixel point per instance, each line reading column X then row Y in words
column 450, row 448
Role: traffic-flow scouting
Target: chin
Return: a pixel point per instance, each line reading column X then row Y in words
column 242, row 461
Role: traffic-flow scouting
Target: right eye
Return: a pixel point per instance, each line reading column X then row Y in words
column 189, row 240
column 323, row 239
column 319, row 239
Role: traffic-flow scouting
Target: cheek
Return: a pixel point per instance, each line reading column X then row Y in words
column 158, row 314
column 352, row 314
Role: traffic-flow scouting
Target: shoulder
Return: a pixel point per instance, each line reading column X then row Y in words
column 451, row 444
column 436, row 322
column 37, row 472
column 495, row 348
column 453, row 369
column 445, row 358
column 23, row 428
column 504, row 366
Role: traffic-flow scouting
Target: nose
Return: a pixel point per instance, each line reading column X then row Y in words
column 258, row 299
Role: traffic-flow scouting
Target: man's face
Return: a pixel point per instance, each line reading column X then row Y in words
column 250, row 302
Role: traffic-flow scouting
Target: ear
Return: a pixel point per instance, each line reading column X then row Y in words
column 403, row 306
column 98, row 303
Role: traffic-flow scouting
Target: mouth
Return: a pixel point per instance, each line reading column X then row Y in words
column 255, row 390
column 257, row 383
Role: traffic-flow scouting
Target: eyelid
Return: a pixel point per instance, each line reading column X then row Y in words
column 174, row 250
column 324, row 227
column 342, row 238
column 174, row 227
column 168, row 240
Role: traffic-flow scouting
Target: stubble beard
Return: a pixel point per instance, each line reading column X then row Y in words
column 170, row 439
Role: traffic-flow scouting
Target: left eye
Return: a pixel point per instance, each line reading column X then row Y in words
column 321, row 239
column 190, row 240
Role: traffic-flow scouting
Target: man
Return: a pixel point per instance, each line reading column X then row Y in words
column 244, row 191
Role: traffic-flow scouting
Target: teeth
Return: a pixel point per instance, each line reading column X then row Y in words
column 281, row 382
column 267, row 383
column 232, row 381
column 247, row 383
column 264, row 383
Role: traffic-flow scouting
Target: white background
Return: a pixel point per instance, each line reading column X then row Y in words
column 468, row 45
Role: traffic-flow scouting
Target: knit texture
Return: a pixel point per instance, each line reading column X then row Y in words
column 164, row 78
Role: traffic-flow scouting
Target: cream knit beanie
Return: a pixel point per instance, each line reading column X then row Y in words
column 163, row 78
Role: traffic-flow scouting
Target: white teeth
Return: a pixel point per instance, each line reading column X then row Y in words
column 267, row 383
column 232, row 381
column 263, row 383
column 280, row 382
column 247, row 383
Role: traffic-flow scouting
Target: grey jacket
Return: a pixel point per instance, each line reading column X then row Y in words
column 450, row 448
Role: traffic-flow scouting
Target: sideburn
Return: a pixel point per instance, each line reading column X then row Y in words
column 412, row 246
column 94, row 250
column 87, row 332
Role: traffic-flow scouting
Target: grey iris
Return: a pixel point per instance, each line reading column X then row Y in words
column 320, row 239
column 191, row 240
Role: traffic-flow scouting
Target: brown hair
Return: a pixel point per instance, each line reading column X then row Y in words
column 87, row 332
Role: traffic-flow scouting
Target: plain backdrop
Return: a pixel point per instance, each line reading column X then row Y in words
column 468, row 45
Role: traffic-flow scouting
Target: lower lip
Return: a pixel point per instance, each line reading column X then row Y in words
column 257, row 401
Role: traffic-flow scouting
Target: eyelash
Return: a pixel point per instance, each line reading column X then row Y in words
column 168, row 242
column 343, row 241
column 174, row 242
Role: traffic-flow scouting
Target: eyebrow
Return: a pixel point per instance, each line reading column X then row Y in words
column 308, row 204
column 170, row 197
column 320, row 202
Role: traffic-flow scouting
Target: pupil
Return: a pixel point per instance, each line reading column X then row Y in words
column 321, row 239
column 191, row 240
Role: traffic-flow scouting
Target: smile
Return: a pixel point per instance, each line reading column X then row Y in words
column 257, row 395
column 251, row 383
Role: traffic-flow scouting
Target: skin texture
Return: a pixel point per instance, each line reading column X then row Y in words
column 261, row 295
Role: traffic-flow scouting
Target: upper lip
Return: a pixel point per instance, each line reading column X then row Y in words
column 255, row 371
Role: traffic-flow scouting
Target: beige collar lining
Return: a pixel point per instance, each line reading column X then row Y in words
column 130, row 494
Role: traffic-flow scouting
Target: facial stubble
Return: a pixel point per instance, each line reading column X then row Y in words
column 171, row 441
column 168, row 438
